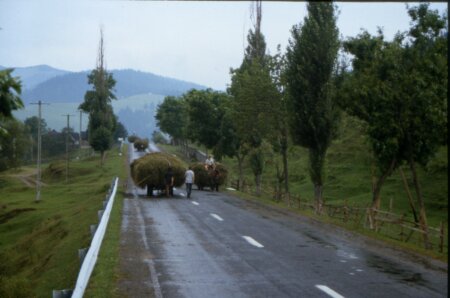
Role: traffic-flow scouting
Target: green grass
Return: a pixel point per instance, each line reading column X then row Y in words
column 104, row 278
column 40, row 241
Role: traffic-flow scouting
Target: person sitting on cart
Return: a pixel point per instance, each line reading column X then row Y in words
column 210, row 163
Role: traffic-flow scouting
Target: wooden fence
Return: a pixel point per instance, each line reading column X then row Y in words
column 387, row 223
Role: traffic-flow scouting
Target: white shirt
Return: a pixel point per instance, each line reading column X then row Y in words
column 210, row 161
column 189, row 175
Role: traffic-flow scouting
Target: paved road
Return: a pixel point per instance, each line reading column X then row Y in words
column 216, row 245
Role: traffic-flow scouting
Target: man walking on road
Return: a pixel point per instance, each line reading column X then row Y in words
column 189, row 179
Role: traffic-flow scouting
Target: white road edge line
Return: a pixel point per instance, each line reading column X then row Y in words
column 181, row 194
column 195, row 203
column 216, row 216
column 329, row 291
column 252, row 241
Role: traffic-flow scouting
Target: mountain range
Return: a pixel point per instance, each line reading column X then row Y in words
column 138, row 94
column 49, row 84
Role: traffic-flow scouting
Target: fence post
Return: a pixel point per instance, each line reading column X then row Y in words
column 345, row 211
column 441, row 237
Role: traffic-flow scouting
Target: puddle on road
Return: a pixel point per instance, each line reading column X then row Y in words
column 320, row 241
column 394, row 269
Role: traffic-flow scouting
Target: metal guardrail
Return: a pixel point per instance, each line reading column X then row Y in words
column 89, row 258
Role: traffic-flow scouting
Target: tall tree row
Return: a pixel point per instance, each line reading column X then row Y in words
column 255, row 98
column 399, row 88
column 97, row 102
column 311, row 60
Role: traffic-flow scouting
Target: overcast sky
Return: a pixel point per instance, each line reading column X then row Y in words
column 189, row 40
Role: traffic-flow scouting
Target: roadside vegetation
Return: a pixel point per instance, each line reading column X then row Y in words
column 40, row 241
column 361, row 120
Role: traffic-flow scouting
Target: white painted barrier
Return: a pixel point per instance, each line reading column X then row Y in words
column 91, row 256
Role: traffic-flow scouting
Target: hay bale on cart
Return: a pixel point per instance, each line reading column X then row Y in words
column 207, row 178
column 149, row 170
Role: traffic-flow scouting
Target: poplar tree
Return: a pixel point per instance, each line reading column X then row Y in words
column 254, row 96
column 311, row 59
column 97, row 102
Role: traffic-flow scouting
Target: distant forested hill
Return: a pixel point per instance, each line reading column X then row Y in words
column 71, row 87
column 34, row 75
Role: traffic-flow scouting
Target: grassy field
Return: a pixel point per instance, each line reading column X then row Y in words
column 40, row 241
column 348, row 173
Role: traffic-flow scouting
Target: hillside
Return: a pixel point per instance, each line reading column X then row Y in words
column 34, row 75
column 135, row 112
column 71, row 87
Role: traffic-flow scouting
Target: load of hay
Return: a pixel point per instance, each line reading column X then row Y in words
column 149, row 170
column 204, row 177
column 140, row 144
column 132, row 138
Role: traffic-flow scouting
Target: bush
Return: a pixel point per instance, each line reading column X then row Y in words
column 54, row 171
column 150, row 169
column 203, row 177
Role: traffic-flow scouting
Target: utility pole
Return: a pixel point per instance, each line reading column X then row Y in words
column 67, row 147
column 80, row 131
column 38, row 175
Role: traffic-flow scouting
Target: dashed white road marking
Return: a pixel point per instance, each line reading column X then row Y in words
column 252, row 241
column 329, row 291
column 195, row 203
column 359, row 270
column 216, row 216
column 181, row 194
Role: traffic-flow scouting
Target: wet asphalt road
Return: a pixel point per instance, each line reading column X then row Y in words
column 216, row 245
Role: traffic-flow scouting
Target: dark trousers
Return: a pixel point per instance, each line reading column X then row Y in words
column 188, row 189
column 169, row 190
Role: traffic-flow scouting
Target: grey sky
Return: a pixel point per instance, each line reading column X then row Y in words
column 188, row 40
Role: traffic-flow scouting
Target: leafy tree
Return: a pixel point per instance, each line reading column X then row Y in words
column 205, row 112
column 120, row 131
column 97, row 102
column 280, row 137
column 53, row 144
column 311, row 59
column 171, row 118
column 401, row 94
column 10, row 89
column 254, row 97
column 158, row 137
column 32, row 124
column 15, row 144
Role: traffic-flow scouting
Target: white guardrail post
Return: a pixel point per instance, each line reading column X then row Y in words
column 91, row 256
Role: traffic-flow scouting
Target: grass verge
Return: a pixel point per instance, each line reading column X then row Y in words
column 40, row 241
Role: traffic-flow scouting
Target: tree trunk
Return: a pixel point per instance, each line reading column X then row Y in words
column 318, row 197
column 102, row 158
column 423, row 216
column 149, row 190
column 258, row 184
column 284, row 153
column 240, row 159
column 376, row 199
column 408, row 192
